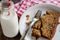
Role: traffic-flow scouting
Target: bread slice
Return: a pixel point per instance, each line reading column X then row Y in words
column 56, row 16
column 47, row 25
column 36, row 33
column 36, row 29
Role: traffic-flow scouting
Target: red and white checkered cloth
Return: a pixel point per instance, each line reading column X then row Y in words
column 23, row 5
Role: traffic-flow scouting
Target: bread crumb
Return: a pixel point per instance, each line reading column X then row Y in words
column 27, row 16
column 28, row 23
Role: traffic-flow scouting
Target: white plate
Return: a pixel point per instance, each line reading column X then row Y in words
column 32, row 11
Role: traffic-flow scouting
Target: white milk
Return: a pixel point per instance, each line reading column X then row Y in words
column 9, row 23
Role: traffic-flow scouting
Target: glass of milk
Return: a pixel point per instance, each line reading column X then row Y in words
column 9, row 22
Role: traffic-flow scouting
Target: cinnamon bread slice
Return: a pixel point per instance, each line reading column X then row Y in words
column 47, row 25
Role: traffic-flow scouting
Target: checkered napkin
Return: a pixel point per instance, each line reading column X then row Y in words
column 25, row 4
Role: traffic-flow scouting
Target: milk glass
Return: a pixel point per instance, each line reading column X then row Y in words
column 9, row 22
